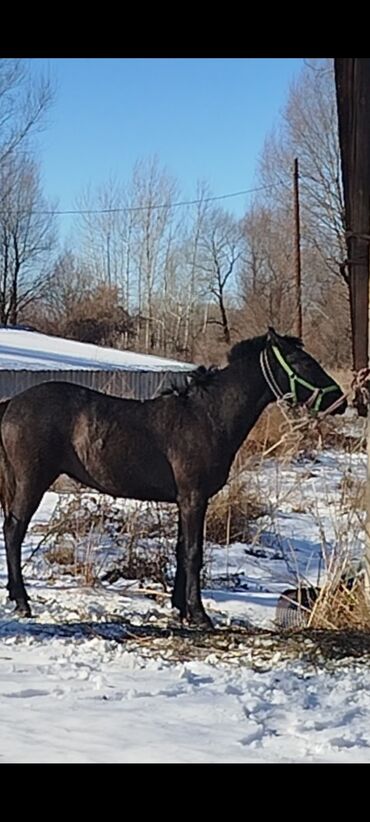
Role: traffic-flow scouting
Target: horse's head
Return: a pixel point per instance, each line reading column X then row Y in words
column 292, row 373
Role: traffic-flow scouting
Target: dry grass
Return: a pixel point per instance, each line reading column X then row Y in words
column 342, row 603
column 352, row 492
column 85, row 529
column 65, row 485
column 152, row 567
column 286, row 433
column 337, row 606
column 341, row 606
column 283, row 432
column 73, row 563
column 231, row 511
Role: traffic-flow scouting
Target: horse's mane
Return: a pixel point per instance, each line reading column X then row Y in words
column 248, row 349
column 245, row 350
column 201, row 377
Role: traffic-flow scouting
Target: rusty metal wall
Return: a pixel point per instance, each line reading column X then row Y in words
column 140, row 385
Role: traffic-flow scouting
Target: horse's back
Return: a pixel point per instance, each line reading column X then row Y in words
column 53, row 391
column 104, row 442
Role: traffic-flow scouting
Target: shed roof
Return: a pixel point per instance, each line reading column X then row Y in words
column 20, row 349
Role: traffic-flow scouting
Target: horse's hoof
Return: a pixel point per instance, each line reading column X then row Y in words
column 177, row 614
column 23, row 610
column 202, row 621
column 207, row 625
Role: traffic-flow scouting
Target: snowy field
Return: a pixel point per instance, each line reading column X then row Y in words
column 94, row 676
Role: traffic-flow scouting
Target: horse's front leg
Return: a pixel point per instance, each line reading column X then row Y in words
column 179, row 588
column 192, row 513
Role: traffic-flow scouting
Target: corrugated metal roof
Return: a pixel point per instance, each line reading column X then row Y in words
column 140, row 385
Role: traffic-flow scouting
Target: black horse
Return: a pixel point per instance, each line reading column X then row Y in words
column 175, row 448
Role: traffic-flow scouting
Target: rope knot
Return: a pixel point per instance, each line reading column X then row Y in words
column 361, row 387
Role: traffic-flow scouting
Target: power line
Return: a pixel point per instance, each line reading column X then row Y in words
column 122, row 209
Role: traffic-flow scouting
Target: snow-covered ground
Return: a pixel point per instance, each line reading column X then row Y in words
column 94, row 677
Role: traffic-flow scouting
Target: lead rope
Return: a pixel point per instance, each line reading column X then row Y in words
column 359, row 384
column 360, row 378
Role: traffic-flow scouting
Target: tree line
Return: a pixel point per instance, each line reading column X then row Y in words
column 184, row 281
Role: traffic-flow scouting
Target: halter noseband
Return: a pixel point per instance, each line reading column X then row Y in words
column 314, row 401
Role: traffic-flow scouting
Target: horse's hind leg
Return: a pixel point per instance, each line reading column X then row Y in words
column 14, row 532
column 22, row 508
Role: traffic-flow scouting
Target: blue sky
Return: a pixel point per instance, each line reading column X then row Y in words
column 205, row 118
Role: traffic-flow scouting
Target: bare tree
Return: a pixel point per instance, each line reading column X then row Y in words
column 264, row 283
column 182, row 284
column 102, row 231
column 192, row 255
column 127, row 240
column 24, row 101
column 69, row 282
column 220, row 253
column 26, row 233
column 81, row 306
column 154, row 191
column 26, row 236
column 267, row 291
column 308, row 130
column 99, row 317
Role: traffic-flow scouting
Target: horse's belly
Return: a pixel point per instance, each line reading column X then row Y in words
column 145, row 475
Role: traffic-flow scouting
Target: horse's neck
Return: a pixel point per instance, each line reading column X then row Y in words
column 242, row 398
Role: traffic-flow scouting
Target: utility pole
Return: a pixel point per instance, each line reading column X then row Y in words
column 297, row 252
column 352, row 79
column 367, row 543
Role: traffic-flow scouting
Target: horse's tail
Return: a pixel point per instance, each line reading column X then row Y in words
column 7, row 478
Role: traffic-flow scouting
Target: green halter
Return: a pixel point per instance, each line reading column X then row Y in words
column 295, row 378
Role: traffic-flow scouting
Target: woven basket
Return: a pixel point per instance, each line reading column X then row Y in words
column 294, row 606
